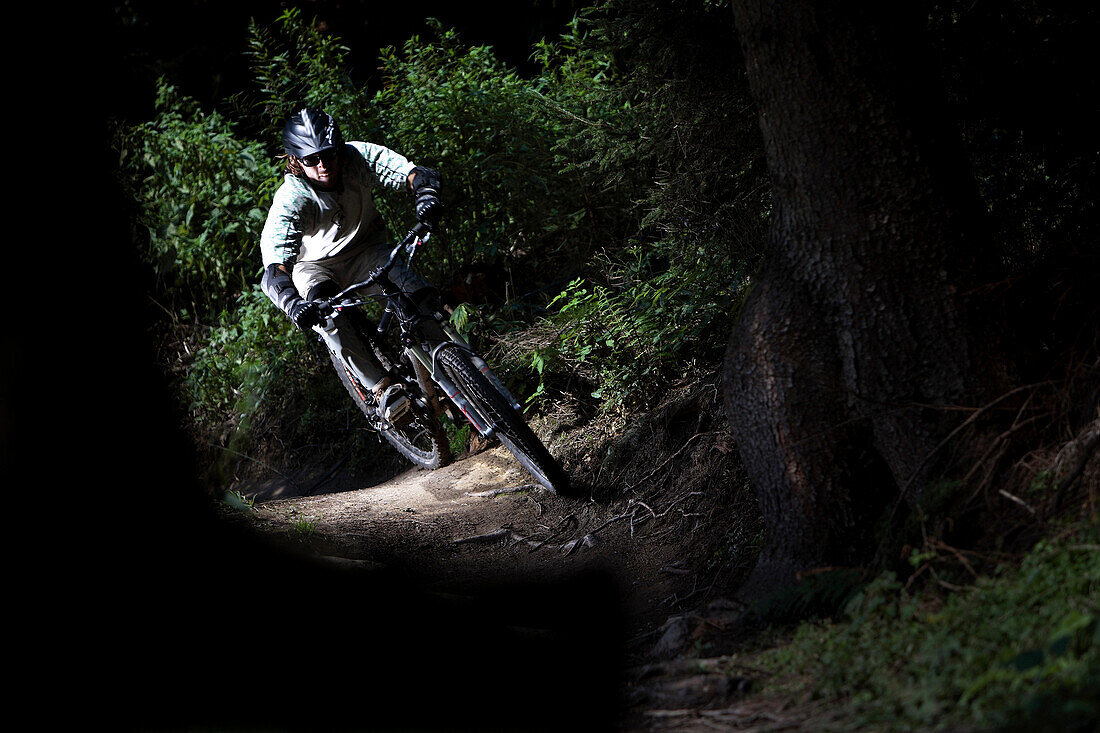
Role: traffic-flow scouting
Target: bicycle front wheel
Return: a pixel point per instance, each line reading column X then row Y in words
column 512, row 429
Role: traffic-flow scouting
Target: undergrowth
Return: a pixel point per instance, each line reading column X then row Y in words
column 1017, row 650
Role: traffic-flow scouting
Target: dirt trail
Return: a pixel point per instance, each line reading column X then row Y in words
column 483, row 523
column 479, row 520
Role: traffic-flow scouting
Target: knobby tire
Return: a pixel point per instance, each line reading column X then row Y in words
column 512, row 429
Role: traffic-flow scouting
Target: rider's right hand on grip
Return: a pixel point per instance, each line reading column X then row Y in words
column 428, row 209
column 305, row 314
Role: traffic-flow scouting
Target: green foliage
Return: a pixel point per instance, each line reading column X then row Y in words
column 252, row 349
column 202, row 193
column 304, row 529
column 634, row 334
column 1021, row 647
column 458, row 437
column 296, row 64
column 458, row 109
column 676, row 125
column 663, row 116
column 236, row 500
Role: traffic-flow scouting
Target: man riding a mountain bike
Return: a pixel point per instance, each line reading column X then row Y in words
column 323, row 233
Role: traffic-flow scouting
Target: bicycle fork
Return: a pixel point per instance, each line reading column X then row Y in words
column 429, row 361
column 483, row 426
column 482, row 366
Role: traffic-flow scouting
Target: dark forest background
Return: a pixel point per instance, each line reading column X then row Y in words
column 610, row 164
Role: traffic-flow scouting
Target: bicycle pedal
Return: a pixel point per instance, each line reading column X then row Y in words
column 394, row 405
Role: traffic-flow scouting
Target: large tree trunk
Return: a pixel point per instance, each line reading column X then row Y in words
column 857, row 333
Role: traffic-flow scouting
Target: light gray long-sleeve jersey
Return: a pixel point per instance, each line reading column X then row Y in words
column 305, row 224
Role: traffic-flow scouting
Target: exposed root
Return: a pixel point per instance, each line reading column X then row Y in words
column 668, row 460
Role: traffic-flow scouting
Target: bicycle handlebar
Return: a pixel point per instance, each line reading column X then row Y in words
column 418, row 234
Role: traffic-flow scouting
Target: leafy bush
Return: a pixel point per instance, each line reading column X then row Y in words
column 632, row 336
column 295, row 64
column 659, row 113
column 249, row 350
column 202, row 193
column 1019, row 648
column 457, row 108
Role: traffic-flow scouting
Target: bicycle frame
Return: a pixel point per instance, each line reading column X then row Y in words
column 409, row 318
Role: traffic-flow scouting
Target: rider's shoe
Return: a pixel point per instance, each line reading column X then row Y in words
column 393, row 404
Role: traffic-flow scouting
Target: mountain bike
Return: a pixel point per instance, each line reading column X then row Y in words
column 440, row 373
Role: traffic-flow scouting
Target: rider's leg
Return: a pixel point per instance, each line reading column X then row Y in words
column 422, row 293
column 343, row 339
column 317, row 280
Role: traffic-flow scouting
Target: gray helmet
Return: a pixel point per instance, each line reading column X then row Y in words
column 309, row 131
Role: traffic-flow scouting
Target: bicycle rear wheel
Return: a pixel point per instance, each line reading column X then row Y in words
column 512, row 429
column 420, row 436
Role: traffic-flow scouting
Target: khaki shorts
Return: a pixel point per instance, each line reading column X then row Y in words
column 352, row 266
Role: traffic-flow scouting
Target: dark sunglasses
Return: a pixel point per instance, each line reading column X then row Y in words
column 311, row 161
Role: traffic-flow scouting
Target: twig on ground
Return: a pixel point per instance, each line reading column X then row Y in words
column 677, row 501
column 488, row 537
column 569, row 520
column 1018, row 500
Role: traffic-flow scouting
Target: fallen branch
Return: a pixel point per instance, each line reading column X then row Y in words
column 677, row 501
column 507, row 490
column 1018, row 500
column 506, row 533
column 489, row 537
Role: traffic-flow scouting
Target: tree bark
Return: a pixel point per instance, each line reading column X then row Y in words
column 857, row 332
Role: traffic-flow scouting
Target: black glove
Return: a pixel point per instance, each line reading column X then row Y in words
column 426, row 186
column 304, row 313
column 428, row 209
column 278, row 286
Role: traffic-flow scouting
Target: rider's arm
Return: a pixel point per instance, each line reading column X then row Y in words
column 278, row 286
column 280, row 242
column 388, row 168
column 291, row 214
